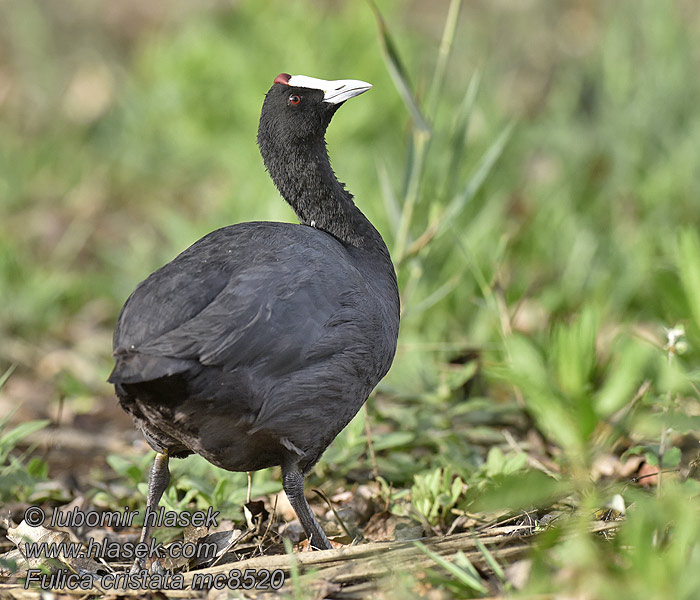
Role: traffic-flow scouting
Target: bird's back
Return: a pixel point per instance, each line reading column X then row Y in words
column 269, row 330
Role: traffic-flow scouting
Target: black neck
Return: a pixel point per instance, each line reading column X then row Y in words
column 304, row 177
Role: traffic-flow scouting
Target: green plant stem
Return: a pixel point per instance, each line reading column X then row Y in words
column 421, row 139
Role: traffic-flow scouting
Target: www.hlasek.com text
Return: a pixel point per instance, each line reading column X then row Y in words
column 113, row 550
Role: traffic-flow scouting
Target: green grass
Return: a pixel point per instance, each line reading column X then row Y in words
column 534, row 171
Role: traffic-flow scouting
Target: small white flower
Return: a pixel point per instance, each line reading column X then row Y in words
column 616, row 503
column 674, row 340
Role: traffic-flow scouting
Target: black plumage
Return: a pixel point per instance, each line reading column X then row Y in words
column 258, row 344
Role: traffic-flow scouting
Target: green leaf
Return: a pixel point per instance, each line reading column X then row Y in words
column 518, row 491
column 672, row 458
column 37, row 468
column 574, row 353
column 526, row 362
column 626, row 373
column 393, row 440
column 494, row 461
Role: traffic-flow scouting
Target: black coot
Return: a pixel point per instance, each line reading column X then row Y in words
column 258, row 344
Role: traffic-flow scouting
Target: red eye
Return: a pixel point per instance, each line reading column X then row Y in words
column 294, row 99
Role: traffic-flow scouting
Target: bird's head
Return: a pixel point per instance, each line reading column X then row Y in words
column 298, row 109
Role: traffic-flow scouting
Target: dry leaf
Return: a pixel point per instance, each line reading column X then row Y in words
column 24, row 534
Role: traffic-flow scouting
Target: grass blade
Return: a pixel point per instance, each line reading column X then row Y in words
column 469, row 579
column 16, row 434
column 6, row 375
column 461, row 128
column 391, row 204
column 444, row 290
column 689, row 269
column 419, row 149
column 397, row 71
column 444, row 53
column 490, row 559
column 488, row 160
column 9, row 440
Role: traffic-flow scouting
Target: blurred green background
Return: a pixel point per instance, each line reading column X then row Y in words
column 537, row 181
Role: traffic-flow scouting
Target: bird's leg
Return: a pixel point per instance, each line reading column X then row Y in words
column 293, row 483
column 157, row 484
